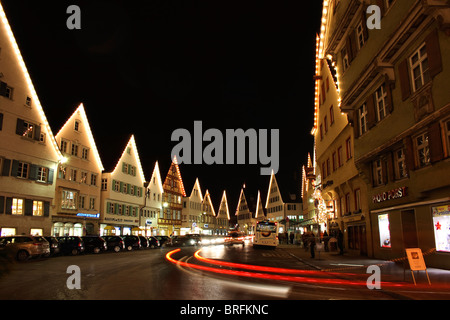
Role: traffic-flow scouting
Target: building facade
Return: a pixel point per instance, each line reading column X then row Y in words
column 122, row 192
column 78, row 183
column 223, row 216
column 170, row 221
column 152, row 209
column 192, row 211
column 29, row 155
column 393, row 83
column 245, row 214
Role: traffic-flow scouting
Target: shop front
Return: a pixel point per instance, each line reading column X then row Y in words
column 80, row 224
column 424, row 225
column 118, row 226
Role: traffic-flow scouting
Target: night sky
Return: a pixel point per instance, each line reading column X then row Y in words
column 150, row 67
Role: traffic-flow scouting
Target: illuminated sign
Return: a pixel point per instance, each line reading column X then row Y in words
column 384, row 230
column 389, row 195
column 88, row 215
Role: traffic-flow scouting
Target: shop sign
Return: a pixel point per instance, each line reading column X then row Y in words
column 88, row 215
column 389, row 195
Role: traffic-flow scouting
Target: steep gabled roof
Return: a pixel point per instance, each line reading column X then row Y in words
column 81, row 111
column 29, row 83
column 156, row 176
column 207, row 200
column 197, row 187
column 259, row 207
column 174, row 168
column 134, row 151
column 224, row 205
column 273, row 183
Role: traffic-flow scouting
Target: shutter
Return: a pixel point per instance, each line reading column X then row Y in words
column 51, row 173
column 1, row 121
column 37, row 133
column 121, row 186
column 19, row 127
column 371, row 112
column 33, row 172
column 364, row 24
column 3, row 88
column 351, row 46
column 46, row 208
column 434, row 53
column 380, row 3
column 123, row 167
column 107, row 207
column 14, row 168
column 116, row 208
column 435, row 142
column 28, row 207
column 6, row 167
column 405, row 84
column 390, row 166
column 385, row 171
column 409, row 154
column 389, row 100
column 8, row 207
column 2, row 204
column 128, row 188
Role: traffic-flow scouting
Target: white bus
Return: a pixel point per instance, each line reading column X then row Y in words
column 266, row 234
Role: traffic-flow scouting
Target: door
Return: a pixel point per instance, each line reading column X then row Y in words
column 409, row 229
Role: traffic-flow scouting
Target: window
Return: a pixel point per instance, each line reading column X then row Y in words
column 76, row 126
column 334, row 157
column 17, row 206
column 68, row 199
column 358, row 200
column 92, row 203
column 419, row 68
column 345, row 59
column 83, row 177
column 9, row 92
column 28, row 130
column 384, row 231
column 381, row 96
column 42, row 174
column 104, row 184
column 325, row 121
column 62, row 172
column 400, row 164
column 362, row 117
column 339, row 155
column 81, row 201
column 348, row 144
column 378, row 172
column 347, row 203
column 28, row 102
column 331, row 115
column 22, row 170
column 93, row 179
column 73, row 175
column 38, row 208
column 63, row 147
column 360, row 35
column 74, row 149
column 422, row 150
column 116, row 186
column 85, row 153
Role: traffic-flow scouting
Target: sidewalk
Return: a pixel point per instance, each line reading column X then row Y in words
column 391, row 272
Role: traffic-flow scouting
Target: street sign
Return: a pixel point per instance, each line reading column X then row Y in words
column 416, row 262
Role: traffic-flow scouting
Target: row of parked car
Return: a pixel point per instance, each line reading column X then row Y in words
column 25, row 247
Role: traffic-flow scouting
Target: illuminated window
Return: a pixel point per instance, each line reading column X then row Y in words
column 17, row 206
column 384, row 231
column 36, row 232
column 38, row 208
column 69, row 200
column 441, row 226
column 422, row 150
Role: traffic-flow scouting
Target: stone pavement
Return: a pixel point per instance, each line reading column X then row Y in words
column 391, row 272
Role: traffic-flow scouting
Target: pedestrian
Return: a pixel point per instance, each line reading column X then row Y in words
column 326, row 238
column 291, row 236
column 297, row 238
column 305, row 240
column 312, row 244
column 340, row 242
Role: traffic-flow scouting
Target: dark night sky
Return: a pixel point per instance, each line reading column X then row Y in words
column 150, row 67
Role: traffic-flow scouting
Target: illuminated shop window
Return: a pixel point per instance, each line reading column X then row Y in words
column 383, row 228
column 441, row 227
column 17, row 206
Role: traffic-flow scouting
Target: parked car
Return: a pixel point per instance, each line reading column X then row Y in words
column 114, row 243
column 153, row 242
column 54, row 245
column 183, row 241
column 144, row 242
column 235, row 237
column 24, row 247
column 164, row 240
column 71, row 245
column 94, row 244
column 131, row 242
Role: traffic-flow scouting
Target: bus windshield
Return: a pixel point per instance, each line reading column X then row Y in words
column 266, row 227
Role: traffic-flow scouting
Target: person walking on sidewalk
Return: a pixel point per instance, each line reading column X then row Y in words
column 312, row 244
column 340, row 242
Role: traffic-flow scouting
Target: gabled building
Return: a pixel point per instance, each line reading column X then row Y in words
column 245, row 215
column 310, row 219
column 223, row 216
column 78, row 183
column 340, row 193
column 170, row 221
column 123, row 194
column 29, row 154
column 394, row 89
column 192, row 211
column 208, row 218
column 152, row 209
column 260, row 213
column 286, row 213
